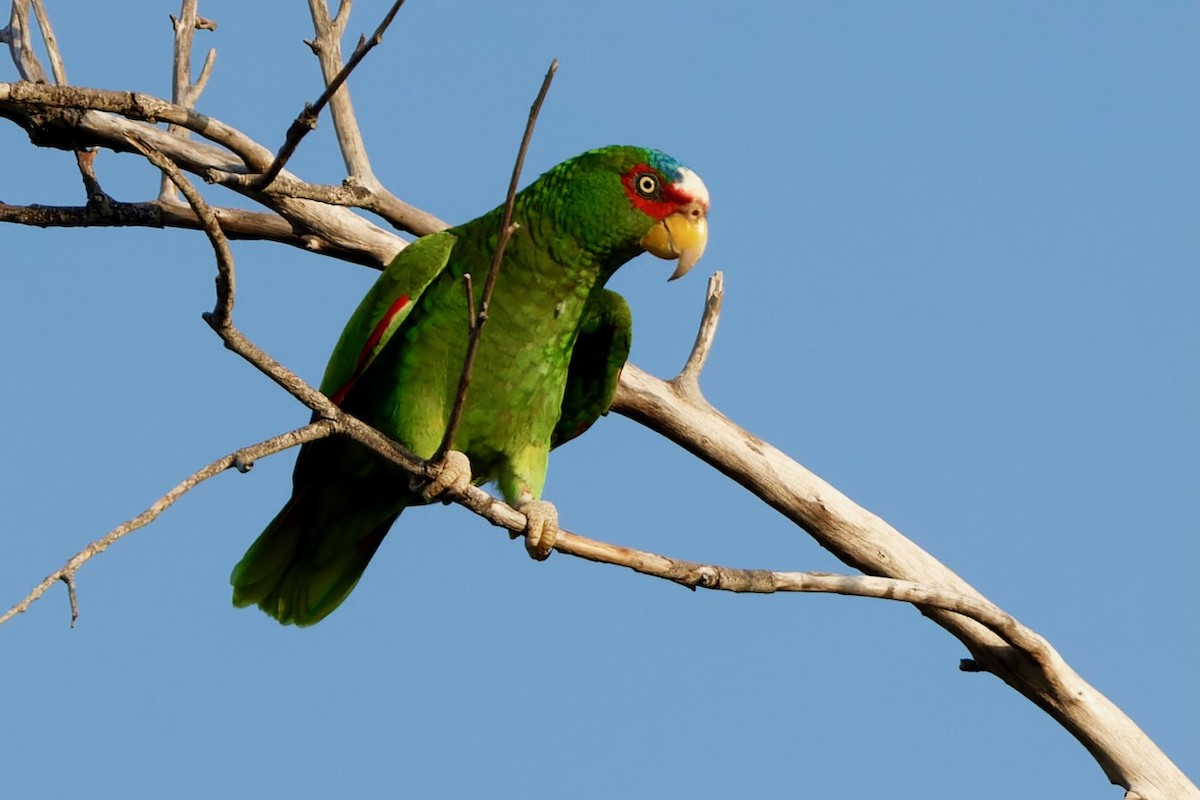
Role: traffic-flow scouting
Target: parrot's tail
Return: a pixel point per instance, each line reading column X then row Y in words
column 306, row 563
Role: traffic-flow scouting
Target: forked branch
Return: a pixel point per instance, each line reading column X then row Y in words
column 334, row 421
column 307, row 119
column 184, row 91
column 896, row 568
column 19, row 38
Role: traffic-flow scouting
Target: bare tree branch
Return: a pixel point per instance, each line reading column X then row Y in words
column 235, row 223
column 361, row 183
column 57, row 68
column 349, row 138
column 134, row 105
column 148, row 215
column 677, row 410
column 28, row 65
column 397, row 212
column 184, row 92
column 326, row 45
column 691, row 574
column 21, row 102
column 25, row 103
column 73, row 118
column 688, row 380
column 20, row 44
column 237, row 459
column 507, row 226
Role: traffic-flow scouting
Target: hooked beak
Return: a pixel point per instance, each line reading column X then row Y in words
column 682, row 235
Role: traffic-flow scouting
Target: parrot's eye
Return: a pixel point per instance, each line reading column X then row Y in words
column 647, row 185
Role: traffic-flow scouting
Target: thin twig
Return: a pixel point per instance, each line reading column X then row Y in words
column 183, row 91
column 687, row 573
column 507, row 226
column 307, row 120
column 311, row 432
column 469, row 288
column 360, row 181
column 222, row 313
column 326, row 45
column 84, row 157
column 57, row 68
column 221, row 321
column 72, row 596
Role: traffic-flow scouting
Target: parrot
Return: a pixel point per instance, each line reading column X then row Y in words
column 546, row 368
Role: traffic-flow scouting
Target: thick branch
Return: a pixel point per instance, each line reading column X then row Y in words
column 27, row 104
column 859, row 538
column 236, row 223
column 66, row 117
column 333, row 419
column 399, row 213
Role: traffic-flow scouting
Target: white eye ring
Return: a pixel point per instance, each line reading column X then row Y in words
column 647, row 185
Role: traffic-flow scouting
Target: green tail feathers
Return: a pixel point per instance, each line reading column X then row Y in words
column 305, row 564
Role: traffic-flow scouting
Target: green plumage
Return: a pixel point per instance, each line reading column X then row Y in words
column 546, row 368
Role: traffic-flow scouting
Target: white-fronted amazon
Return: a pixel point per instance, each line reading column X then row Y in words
column 546, row 369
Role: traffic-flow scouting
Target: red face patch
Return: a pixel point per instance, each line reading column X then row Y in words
column 651, row 193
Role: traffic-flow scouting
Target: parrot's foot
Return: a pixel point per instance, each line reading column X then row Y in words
column 541, row 528
column 452, row 475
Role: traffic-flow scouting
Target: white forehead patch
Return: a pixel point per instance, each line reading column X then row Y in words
column 690, row 184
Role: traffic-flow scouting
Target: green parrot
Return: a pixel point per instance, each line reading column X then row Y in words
column 546, row 369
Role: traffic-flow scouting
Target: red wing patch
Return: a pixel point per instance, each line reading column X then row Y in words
column 364, row 356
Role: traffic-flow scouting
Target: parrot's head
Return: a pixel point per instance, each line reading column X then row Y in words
column 675, row 200
column 627, row 200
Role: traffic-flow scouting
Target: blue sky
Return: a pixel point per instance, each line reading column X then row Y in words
column 959, row 244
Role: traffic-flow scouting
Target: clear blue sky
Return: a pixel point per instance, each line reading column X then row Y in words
column 960, row 250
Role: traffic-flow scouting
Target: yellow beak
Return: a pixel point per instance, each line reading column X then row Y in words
column 682, row 235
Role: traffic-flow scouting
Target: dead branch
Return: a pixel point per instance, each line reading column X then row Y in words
column 20, row 44
column 1022, row 659
column 235, row 223
column 398, row 213
column 72, row 118
column 238, row 459
column 110, row 119
column 185, row 92
column 507, row 227
column 57, row 68
column 360, row 182
column 333, row 420
column 328, row 49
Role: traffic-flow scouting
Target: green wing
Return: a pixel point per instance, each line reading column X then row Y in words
column 383, row 309
column 311, row 555
column 600, row 351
